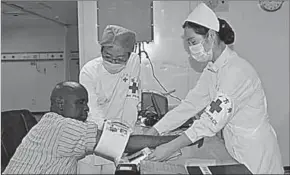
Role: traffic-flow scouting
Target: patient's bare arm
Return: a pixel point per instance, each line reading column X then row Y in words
column 151, row 139
column 138, row 142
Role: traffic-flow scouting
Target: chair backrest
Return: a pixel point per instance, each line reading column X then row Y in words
column 15, row 124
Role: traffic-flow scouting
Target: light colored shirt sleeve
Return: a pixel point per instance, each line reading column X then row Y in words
column 132, row 99
column 236, row 88
column 88, row 80
column 196, row 100
column 77, row 138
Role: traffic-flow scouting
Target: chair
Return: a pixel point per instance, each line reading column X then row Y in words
column 15, row 124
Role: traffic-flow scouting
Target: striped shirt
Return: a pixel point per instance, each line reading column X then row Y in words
column 53, row 146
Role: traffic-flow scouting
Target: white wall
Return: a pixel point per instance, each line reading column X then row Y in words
column 25, row 85
column 88, row 35
column 261, row 38
column 36, row 39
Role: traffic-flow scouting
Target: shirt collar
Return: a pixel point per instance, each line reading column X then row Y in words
column 220, row 62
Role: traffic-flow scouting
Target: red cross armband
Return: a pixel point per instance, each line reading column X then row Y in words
column 133, row 91
column 218, row 112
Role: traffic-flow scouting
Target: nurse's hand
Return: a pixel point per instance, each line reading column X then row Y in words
column 151, row 131
column 163, row 152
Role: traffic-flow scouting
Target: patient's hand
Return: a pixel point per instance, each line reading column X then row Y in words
column 151, row 131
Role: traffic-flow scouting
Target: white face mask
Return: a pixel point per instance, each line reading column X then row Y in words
column 199, row 54
column 113, row 68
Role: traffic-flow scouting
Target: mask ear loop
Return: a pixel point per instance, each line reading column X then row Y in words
column 210, row 38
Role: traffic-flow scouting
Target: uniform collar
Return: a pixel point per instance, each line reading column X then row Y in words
column 220, row 62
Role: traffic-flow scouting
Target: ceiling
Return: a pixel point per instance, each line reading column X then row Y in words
column 62, row 11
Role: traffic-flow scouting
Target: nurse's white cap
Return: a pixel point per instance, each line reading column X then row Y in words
column 204, row 16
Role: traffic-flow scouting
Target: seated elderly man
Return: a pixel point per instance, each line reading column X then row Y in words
column 63, row 136
column 60, row 138
column 112, row 81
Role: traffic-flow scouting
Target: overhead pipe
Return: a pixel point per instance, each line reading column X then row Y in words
column 35, row 14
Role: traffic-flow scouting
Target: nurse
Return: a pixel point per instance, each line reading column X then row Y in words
column 231, row 92
column 112, row 81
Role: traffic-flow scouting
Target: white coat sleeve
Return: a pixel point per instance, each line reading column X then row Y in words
column 235, row 89
column 88, row 80
column 195, row 101
column 130, row 110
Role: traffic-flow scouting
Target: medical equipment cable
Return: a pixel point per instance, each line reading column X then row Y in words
column 153, row 73
column 139, row 50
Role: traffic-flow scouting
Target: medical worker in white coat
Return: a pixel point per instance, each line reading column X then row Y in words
column 233, row 97
column 112, row 81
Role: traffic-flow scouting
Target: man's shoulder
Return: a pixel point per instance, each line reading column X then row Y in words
column 134, row 61
column 133, row 54
column 50, row 115
column 57, row 119
column 93, row 63
column 64, row 122
column 93, row 67
column 135, row 57
column 76, row 123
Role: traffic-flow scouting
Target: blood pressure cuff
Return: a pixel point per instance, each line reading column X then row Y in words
column 113, row 141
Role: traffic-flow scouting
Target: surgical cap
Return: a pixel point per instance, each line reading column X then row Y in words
column 204, row 16
column 114, row 35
